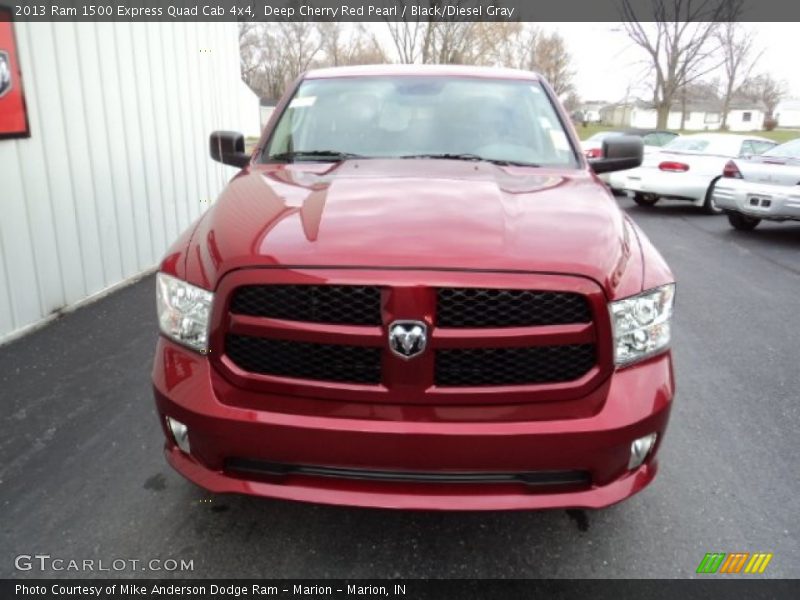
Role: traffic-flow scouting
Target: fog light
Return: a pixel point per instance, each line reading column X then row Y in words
column 180, row 433
column 640, row 449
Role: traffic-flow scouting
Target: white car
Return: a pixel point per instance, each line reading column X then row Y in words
column 763, row 187
column 688, row 168
column 653, row 140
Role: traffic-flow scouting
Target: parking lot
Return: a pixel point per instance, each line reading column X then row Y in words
column 82, row 475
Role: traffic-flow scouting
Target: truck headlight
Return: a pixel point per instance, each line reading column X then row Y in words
column 642, row 324
column 184, row 311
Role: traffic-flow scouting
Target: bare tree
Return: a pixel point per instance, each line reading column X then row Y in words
column 740, row 58
column 509, row 44
column 572, row 102
column 273, row 54
column 341, row 45
column 766, row 89
column 249, row 51
column 431, row 39
column 552, row 60
column 681, row 44
column 411, row 37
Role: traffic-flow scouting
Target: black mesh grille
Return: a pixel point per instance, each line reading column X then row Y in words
column 513, row 366
column 336, row 304
column 304, row 360
column 475, row 307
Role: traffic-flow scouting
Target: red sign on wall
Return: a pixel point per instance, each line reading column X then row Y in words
column 13, row 113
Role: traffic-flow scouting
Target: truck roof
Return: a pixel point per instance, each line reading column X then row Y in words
column 430, row 70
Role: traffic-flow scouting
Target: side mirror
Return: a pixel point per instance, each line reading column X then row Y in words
column 227, row 147
column 619, row 153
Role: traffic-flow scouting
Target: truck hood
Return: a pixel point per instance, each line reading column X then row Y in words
column 413, row 214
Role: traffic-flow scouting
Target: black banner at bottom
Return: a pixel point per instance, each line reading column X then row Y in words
column 463, row 589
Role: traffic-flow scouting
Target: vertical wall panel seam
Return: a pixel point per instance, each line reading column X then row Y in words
column 74, row 195
column 170, row 135
column 216, row 98
column 192, row 124
column 90, row 166
column 182, row 107
column 3, row 255
column 159, row 251
column 195, row 130
column 154, row 255
column 204, row 120
column 124, row 148
column 31, row 243
column 104, row 104
column 33, row 100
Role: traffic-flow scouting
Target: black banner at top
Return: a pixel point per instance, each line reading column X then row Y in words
column 404, row 10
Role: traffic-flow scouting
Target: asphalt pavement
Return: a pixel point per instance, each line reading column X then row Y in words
column 82, row 476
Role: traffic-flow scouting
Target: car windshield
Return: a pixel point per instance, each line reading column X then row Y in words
column 506, row 121
column 787, row 150
column 688, row 144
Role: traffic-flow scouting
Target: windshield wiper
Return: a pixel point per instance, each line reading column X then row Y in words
column 323, row 155
column 473, row 157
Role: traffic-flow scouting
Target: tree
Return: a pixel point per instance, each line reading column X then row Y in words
column 766, row 89
column 430, row 39
column 739, row 59
column 552, row 60
column 342, row 46
column 274, row 54
column 681, row 44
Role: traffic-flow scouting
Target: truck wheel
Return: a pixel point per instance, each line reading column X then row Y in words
column 742, row 222
column 708, row 204
column 645, row 199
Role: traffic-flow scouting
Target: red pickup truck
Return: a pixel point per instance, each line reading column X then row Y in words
column 416, row 293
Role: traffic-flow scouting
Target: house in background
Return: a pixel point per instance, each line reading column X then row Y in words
column 788, row 113
column 694, row 115
column 590, row 111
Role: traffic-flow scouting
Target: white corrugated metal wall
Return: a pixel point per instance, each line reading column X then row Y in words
column 117, row 163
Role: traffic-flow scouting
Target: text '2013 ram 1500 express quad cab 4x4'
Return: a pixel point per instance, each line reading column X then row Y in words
column 416, row 294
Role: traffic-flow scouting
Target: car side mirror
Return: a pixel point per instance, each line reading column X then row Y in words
column 619, row 153
column 227, row 147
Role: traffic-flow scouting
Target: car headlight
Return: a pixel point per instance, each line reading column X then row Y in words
column 642, row 324
column 184, row 311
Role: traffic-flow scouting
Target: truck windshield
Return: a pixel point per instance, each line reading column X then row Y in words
column 503, row 121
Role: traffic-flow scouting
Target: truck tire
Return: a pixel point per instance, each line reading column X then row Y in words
column 708, row 204
column 645, row 199
column 742, row 222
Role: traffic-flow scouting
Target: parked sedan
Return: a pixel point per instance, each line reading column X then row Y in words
column 689, row 167
column 762, row 187
column 653, row 140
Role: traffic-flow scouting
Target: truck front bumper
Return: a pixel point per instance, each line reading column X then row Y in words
column 220, row 434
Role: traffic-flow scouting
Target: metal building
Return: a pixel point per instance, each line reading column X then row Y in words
column 116, row 165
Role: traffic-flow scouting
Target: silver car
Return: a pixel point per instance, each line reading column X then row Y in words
column 761, row 187
column 688, row 168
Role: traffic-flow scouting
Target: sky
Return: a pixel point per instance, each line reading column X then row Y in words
column 607, row 62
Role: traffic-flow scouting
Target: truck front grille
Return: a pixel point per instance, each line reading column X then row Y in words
column 335, row 304
column 304, row 360
column 477, row 307
column 301, row 339
column 513, row 366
